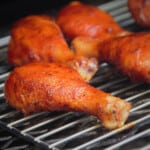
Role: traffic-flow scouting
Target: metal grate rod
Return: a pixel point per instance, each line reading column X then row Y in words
column 2, row 86
column 141, row 106
column 147, row 147
column 112, row 5
column 25, row 119
column 112, row 132
column 75, row 135
column 4, row 75
column 125, row 89
column 61, row 128
column 122, row 17
column 2, row 96
column 120, row 10
column 129, row 139
column 9, row 114
column 112, row 83
column 137, row 95
column 127, row 22
column 45, row 122
column 4, row 41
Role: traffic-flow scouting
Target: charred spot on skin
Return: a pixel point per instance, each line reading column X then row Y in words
column 35, row 103
column 114, row 114
column 50, row 59
column 64, row 106
column 38, row 30
column 15, row 86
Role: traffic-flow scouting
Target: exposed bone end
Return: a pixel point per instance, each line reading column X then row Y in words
column 115, row 114
column 86, row 67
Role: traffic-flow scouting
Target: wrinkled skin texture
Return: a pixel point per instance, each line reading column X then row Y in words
column 37, row 38
column 53, row 87
column 79, row 19
column 140, row 10
column 130, row 54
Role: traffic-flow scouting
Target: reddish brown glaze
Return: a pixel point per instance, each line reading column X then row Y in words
column 140, row 10
column 49, row 87
column 87, row 26
column 79, row 19
column 37, row 38
column 86, row 46
column 130, row 54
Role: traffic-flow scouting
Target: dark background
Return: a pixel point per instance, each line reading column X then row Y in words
column 12, row 10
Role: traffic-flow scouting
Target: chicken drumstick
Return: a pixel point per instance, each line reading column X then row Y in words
column 37, row 38
column 82, row 22
column 130, row 54
column 79, row 19
column 52, row 87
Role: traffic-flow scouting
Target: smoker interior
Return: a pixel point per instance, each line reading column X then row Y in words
column 70, row 130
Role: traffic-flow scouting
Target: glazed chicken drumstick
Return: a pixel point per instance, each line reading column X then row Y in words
column 37, row 38
column 130, row 54
column 82, row 22
column 80, row 19
column 52, row 87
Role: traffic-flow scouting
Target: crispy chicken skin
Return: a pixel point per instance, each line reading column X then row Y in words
column 86, row 46
column 86, row 26
column 140, row 10
column 89, row 46
column 37, row 38
column 130, row 54
column 79, row 19
column 52, row 87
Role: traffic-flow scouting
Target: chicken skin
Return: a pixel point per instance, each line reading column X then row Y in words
column 79, row 19
column 37, row 38
column 140, row 11
column 86, row 26
column 130, row 54
column 53, row 87
column 86, row 46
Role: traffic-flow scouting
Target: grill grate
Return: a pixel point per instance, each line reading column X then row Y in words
column 11, row 142
column 68, row 130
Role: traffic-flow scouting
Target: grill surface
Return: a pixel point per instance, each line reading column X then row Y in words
column 11, row 142
column 69, row 130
